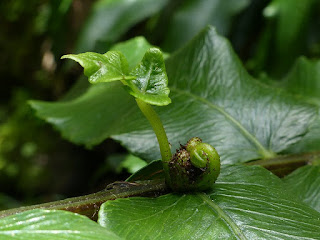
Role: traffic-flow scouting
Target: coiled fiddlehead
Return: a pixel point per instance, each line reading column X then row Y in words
column 194, row 167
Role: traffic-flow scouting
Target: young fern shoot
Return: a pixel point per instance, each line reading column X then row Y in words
column 148, row 83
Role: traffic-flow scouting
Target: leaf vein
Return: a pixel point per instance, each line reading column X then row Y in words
column 237, row 231
column 262, row 150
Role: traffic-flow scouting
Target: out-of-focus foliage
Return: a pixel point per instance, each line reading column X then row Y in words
column 290, row 31
column 268, row 35
column 193, row 15
column 110, row 19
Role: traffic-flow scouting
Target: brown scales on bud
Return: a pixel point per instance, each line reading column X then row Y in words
column 194, row 167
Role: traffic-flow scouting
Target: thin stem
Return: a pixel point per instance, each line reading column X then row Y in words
column 89, row 205
column 285, row 164
column 158, row 129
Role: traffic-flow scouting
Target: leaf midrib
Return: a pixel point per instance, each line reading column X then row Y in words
column 236, row 230
column 144, row 88
column 262, row 150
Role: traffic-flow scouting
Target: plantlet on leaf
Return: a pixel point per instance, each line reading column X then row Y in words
column 195, row 166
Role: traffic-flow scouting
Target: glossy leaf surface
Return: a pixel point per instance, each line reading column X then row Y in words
column 108, row 67
column 213, row 97
column 246, row 203
column 304, row 81
column 133, row 49
column 305, row 183
column 103, row 110
column 151, row 83
column 52, row 225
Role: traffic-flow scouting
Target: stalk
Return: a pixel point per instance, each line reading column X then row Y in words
column 89, row 205
column 285, row 164
column 158, row 129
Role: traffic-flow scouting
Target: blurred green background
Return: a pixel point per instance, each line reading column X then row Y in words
column 36, row 164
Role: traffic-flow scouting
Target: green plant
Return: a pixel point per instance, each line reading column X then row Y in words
column 194, row 167
column 245, row 201
column 262, row 128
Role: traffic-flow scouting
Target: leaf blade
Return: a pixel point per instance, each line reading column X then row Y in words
column 52, row 225
column 246, row 203
column 108, row 67
column 151, row 83
column 206, row 76
column 304, row 183
column 256, row 121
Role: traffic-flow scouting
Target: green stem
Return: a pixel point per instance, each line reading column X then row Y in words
column 158, row 129
column 285, row 164
column 89, row 205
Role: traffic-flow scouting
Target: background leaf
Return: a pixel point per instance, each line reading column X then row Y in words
column 109, row 19
column 246, row 203
column 218, row 101
column 212, row 95
column 285, row 36
column 52, row 225
column 304, row 183
column 102, row 110
column 194, row 15
column 304, row 80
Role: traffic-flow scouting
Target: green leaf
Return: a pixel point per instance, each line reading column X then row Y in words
column 52, row 225
column 305, row 184
column 213, row 98
column 102, row 107
column 132, row 163
column 154, row 170
column 304, row 80
column 110, row 19
column 194, row 15
column 133, row 49
column 151, row 83
column 101, row 111
column 108, row 67
column 246, row 203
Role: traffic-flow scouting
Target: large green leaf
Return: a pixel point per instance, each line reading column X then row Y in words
column 109, row 19
column 52, row 225
column 246, row 203
column 194, row 15
column 305, row 184
column 102, row 110
column 213, row 98
column 93, row 100
column 303, row 80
